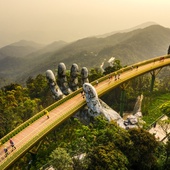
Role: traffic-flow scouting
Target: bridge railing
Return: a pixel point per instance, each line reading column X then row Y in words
column 124, row 69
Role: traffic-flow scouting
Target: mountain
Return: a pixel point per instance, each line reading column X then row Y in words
column 53, row 46
column 28, row 43
column 128, row 47
column 18, row 58
column 48, row 49
column 143, row 25
column 20, row 48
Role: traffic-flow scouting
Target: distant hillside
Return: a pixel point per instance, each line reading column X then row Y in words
column 20, row 48
column 144, row 25
column 54, row 46
column 128, row 47
column 19, row 58
column 2, row 56
column 14, row 65
column 47, row 49
column 143, row 44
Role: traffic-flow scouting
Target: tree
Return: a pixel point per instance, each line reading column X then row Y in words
column 60, row 159
column 116, row 66
column 163, row 153
column 38, row 88
column 107, row 146
column 15, row 107
column 107, row 157
column 142, row 154
column 167, row 160
column 94, row 74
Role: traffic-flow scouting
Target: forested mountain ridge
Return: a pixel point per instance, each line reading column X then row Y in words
column 128, row 47
column 47, row 49
column 20, row 48
column 16, row 57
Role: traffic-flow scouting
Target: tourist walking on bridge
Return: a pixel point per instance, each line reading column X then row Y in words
column 137, row 68
column 47, row 114
column 12, row 144
column 116, row 76
column 161, row 59
column 6, row 151
column 97, row 82
column 82, row 94
column 110, row 78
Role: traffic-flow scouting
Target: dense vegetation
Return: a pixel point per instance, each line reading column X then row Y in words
column 103, row 145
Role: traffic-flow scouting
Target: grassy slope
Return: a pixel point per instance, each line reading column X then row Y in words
column 153, row 109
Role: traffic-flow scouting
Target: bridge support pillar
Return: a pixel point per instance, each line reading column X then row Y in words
column 122, row 102
column 153, row 74
column 152, row 82
column 33, row 153
column 122, row 97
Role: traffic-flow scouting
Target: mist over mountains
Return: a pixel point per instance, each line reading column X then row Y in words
column 144, row 25
column 23, row 59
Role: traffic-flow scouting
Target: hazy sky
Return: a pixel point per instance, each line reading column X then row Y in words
column 46, row 21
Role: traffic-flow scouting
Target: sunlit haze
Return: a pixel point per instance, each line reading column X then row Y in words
column 45, row 21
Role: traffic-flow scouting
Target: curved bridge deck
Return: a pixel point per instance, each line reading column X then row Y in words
column 32, row 134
